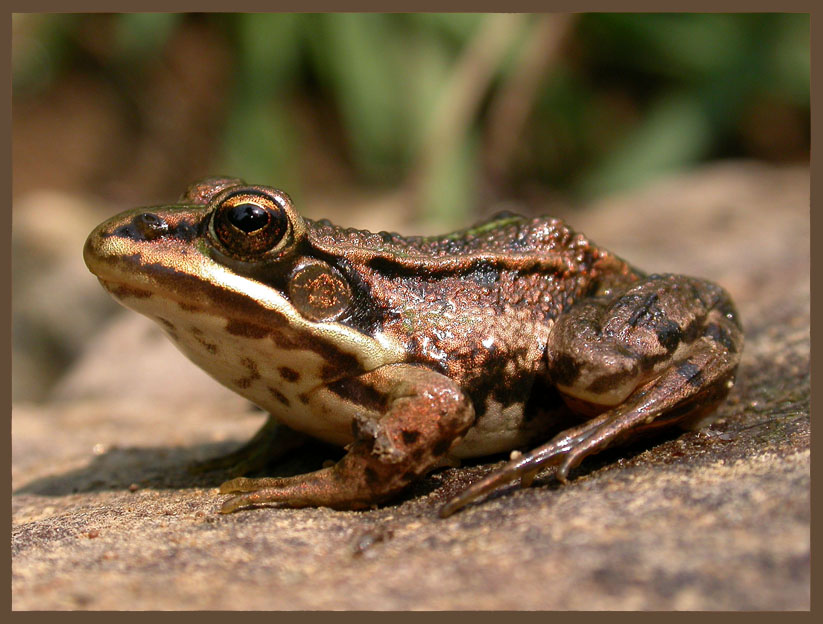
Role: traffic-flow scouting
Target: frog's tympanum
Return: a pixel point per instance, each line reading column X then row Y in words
column 414, row 352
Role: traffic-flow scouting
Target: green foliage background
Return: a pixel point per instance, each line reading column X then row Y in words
column 622, row 99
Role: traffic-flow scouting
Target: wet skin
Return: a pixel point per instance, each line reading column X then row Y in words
column 416, row 352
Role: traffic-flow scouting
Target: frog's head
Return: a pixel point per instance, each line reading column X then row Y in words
column 225, row 245
column 229, row 274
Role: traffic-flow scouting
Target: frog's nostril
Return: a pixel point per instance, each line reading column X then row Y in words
column 150, row 225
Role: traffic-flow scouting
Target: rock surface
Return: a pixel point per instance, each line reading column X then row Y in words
column 105, row 516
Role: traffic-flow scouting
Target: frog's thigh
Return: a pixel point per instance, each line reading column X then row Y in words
column 665, row 350
column 424, row 413
column 601, row 350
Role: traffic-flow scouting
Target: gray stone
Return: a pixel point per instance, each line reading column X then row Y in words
column 106, row 517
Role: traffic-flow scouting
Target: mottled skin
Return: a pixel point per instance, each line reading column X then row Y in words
column 414, row 352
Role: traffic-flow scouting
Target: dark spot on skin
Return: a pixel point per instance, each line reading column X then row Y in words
column 166, row 323
column 603, row 384
column 417, row 454
column 721, row 336
column 691, row 373
column 647, row 362
column 130, row 291
column 333, row 369
column 247, row 330
column 254, row 373
column 251, row 365
column 646, row 310
column 692, row 331
column 495, row 379
column 198, row 336
column 188, row 307
column 441, row 447
column 279, row 396
column 289, row 374
column 564, row 369
column 304, row 398
column 461, row 265
column 337, row 363
column 148, row 227
column 355, row 390
column 668, row 334
column 410, row 437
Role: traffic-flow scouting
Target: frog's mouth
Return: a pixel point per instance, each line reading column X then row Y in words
column 148, row 276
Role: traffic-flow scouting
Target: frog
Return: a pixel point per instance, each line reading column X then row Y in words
column 515, row 336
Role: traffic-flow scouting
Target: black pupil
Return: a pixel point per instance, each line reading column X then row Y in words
column 248, row 217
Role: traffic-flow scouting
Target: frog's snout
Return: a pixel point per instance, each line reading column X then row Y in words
column 137, row 231
column 93, row 248
column 117, row 237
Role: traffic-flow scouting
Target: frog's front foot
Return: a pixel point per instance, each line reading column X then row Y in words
column 271, row 442
column 426, row 413
column 663, row 352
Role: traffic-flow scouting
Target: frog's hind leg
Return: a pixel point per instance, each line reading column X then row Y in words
column 664, row 352
column 271, row 442
column 420, row 415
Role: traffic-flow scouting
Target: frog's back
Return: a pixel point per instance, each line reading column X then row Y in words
column 538, row 262
column 503, row 237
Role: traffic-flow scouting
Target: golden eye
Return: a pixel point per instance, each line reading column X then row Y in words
column 319, row 292
column 249, row 223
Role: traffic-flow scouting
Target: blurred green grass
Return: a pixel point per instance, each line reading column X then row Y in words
column 456, row 108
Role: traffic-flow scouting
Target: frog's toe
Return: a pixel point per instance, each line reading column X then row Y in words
column 253, row 492
column 235, row 503
column 240, row 484
column 244, row 484
column 321, row 488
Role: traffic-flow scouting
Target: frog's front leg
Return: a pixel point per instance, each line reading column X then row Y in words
column 664, row 351
column 423, row 414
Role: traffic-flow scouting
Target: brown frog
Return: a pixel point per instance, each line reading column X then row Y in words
column 415, row 352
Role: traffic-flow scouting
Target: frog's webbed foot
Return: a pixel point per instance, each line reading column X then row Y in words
column 664, row 352
column 271, row 442
column 424, row 414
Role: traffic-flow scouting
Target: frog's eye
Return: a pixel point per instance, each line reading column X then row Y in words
column 249, row 224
